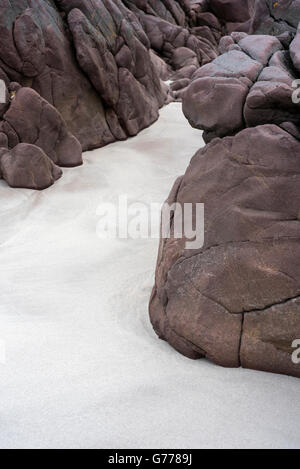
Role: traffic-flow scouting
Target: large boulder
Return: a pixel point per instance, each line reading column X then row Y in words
column 260, row 90
column 91, row 60
column 236, row 300
column 35, row 121
column 186, row 34
column 27, row 166
column 260, row 48
column 201, row 104
column 75, row 75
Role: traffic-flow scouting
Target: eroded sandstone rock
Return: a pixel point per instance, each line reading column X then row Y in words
column 295, row 50
column 35, row 121
column 190, row 39
column 264, row 86
column 27, row 166
column 67, row 52
column 237, row 299
column 78, row 75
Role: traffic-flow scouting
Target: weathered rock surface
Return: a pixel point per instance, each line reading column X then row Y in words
column 28, row 166
column 295, row 50
column 186, row 34
column 35, row 121
column 236, row 301
column 276, row 17
column 85, row 71
column 34, row 134
column 95, row 67
column 264, row 77
column 70, row 53
column 203, row 96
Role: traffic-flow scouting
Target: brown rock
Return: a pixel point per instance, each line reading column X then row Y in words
column 27, row 166
column 236, row 300
column 36, row 122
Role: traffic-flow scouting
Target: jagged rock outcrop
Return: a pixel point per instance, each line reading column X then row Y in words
column 90, row 70
column 100, row 65
column 253, row 81
column 34, row 141
column 236, row 300
column 27, row 166
column 186, row 34
column 276, row 17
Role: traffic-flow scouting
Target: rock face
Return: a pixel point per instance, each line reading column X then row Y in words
column 186, row 34
column 34, row 141
column 80, row 75
column 253, row 82
column 236, row 300
column 81, row 56
column 95, row 67
column 295, row 50
column 276, row 18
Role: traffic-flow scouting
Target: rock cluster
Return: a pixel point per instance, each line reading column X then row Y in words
column 278, row 18
column 236, row 300
column 34, row 141
column 80, row 75
column 101, row 65
column 252, row 81
column 186, row 34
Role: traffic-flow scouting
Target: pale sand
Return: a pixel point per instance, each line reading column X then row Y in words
column 83, row 365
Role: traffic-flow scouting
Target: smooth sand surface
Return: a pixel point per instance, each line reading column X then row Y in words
column 83, row 367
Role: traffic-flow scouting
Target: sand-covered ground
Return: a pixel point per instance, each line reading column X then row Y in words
column 82, row 366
